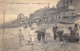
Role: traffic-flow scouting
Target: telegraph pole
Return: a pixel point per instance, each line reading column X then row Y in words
column 3, row 31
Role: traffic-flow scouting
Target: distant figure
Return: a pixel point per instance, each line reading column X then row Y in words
column 21, row 37
column 43, row 30
column 34, row 28
column 38, row 36
column 75, row 27
column 72, row 32
column 55, row 31
column 26, row 34
column 33, row 35
column 60, row 33
column 76, row 32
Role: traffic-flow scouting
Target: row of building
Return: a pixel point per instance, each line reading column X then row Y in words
column 65, row 9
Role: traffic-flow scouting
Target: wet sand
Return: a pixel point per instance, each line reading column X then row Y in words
column 11, row 43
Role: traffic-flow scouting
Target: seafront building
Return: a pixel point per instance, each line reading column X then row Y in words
column 65, row 10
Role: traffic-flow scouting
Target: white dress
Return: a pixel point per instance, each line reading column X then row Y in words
column 33, row 35
column 26, row 34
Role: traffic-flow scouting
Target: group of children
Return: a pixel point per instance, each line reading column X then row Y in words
column 31, row 34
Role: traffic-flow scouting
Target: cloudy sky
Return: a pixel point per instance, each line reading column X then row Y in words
column 14, row 8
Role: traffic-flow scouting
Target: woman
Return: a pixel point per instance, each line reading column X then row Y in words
column 21, row 37
column 26, row 34
column 33, row 35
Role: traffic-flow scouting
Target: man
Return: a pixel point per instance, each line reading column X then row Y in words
column 55, row 31
column 76, row 33
column 38, row 36
column 43, row 34
column 72, row 34
column 60, row 34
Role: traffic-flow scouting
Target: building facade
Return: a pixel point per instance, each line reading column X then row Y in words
column 67, row 9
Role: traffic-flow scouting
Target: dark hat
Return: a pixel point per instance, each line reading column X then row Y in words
column 70, row 28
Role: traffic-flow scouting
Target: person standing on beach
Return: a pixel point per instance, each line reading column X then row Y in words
column 26, row 34
column 38, row 36
column 55, row 31
column 60, row 34
column 43, row 30
column 21, row 37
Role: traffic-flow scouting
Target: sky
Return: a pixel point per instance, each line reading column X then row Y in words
column 14, row 8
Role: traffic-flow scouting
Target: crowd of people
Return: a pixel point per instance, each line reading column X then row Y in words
column 71, row 36
column 33, row 33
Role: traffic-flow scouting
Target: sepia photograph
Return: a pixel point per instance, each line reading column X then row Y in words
column 40, row 25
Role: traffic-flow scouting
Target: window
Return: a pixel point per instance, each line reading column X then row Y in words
column 71, row 1
column 67, row 2
column 63, row 13
column 72, row 13
column 59, row 17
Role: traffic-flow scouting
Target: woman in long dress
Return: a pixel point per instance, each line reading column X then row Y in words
column 33, row 33
column 21, row 37
column 26, row 34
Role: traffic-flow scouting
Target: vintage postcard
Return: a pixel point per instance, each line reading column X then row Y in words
column 39, row 25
